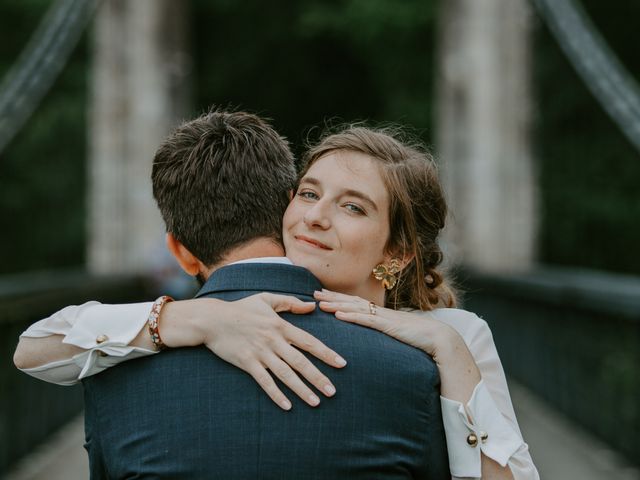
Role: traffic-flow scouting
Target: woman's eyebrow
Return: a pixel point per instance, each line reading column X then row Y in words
column 311, row 180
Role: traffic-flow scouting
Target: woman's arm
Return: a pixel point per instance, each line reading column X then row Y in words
column 493, row 404
column 471, row 375
column 79, row 341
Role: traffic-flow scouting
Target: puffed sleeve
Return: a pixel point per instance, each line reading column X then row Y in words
column 487, row 423
column 103, row 331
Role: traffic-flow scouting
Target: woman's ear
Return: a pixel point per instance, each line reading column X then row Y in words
column 187, row 261
column 406, row 260
column 403, row 259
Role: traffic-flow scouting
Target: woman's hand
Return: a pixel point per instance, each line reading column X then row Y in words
column 423, row 333
column 459, row 373
column 249, row 334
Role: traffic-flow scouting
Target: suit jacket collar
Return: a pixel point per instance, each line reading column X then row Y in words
column 261, row 277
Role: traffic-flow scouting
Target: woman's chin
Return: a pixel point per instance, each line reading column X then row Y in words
column 331, row 276
column 318, row 268
column 322, row 270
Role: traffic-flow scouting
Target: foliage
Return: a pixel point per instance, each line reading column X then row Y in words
column 302, row 63
column 307, row 62
column 42, row 172
column 588, row 169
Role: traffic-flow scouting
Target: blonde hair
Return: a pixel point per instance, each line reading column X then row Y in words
column 417, row 210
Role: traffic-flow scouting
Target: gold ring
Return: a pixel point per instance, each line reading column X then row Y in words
column 372, row 308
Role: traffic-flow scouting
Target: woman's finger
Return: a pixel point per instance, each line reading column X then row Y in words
column 331, row 296
column 287, row 376
column 307, row 342
column 365, row 319
column 266, row 382
column 287, row 303
column 308, row 370
column 332, row 307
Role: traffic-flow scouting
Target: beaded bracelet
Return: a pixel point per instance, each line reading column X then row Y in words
column 152, row 322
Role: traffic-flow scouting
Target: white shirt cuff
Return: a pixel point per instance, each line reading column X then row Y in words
column 481, row 419
column 109, row 329
column 114, row 325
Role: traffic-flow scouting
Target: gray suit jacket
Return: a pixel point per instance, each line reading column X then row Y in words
column 186, row 414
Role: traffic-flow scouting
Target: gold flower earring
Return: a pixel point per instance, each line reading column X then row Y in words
column 388, row 274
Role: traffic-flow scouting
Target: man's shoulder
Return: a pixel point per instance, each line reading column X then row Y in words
column 261, row 277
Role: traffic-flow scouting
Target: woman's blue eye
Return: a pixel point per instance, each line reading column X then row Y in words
column 354, row 208
column 308, row 195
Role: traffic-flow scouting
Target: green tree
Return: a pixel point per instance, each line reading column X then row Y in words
column 42, row 172
column 588, row 169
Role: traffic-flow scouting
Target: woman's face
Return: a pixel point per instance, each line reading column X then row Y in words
column 337, row 223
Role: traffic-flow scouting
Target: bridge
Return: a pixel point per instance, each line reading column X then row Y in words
column 569, row 338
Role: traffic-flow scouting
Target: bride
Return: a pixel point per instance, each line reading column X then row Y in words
column 364, row 220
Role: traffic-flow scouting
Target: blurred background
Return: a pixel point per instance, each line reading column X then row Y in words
column 532, row 109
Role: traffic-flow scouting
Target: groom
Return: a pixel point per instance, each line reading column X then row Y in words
column 222, row 183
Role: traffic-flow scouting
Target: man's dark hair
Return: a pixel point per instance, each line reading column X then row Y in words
column 222, row 180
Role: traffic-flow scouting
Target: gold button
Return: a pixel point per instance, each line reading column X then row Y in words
column 472, row 440
column 102, row 338
column 101, row 353
column 484, row 436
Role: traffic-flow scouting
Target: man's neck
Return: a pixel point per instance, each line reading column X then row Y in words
column 261, row 247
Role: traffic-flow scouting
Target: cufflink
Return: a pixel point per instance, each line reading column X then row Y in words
column 472, row 440
column 484, row 436
column 101, row 338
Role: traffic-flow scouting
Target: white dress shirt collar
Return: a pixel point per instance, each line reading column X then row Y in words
column 281, row 260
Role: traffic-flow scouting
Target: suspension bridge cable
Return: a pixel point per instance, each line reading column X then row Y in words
column 604, row 75
column 40, row 63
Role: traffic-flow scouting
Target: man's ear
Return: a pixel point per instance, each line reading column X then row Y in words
column 187, row 261
column 291, row 194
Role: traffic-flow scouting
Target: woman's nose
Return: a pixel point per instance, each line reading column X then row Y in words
column 317, row 216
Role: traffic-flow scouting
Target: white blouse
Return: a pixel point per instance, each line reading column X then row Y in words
column 489, row 414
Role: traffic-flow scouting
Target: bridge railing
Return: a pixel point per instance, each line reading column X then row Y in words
column 573, row 337
column 30, row 409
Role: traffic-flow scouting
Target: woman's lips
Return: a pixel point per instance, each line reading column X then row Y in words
column 312, row 242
